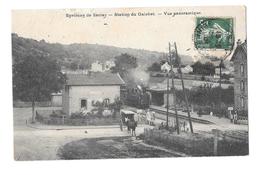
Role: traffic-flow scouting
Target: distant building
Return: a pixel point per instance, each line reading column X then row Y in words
column 97, row 67
column 109, row 64
column 239, row 59
column 187, row 69
column 81, row 91
column 165, row 67
column 223, row 71
column 157, row 86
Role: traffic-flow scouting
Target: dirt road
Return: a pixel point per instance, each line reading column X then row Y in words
column 42, row 144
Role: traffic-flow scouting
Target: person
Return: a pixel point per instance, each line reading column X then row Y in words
column 235, row 117
column 161, row 126
column 148, row 117
column 153, row 117
column 121, row 125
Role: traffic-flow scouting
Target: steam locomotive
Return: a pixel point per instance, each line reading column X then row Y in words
column 138, row 97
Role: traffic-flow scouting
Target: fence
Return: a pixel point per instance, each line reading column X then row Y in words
column 203, row 144
column 22, row 104
column 43, row 116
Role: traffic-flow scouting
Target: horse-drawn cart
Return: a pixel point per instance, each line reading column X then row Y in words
column 127, row 119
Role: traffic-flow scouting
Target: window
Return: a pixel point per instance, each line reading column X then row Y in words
column 242, row 85
column 242, row 102
column 242, row 69
column 83, row 103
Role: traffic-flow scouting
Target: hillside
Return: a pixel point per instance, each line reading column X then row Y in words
column 84, row 53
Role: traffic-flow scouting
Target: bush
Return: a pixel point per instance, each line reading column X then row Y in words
column 243, row 113
column 77, row 115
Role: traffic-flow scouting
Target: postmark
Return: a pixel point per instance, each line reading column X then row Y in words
column 214, row 33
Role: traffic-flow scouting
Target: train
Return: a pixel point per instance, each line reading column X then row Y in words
column 138, row 97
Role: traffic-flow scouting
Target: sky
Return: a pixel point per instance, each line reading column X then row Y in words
column 141, row 32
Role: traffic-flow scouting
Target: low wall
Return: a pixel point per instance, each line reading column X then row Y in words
column 22, row 104
column 196, row 144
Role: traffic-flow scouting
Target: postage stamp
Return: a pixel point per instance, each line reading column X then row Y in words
column 214, row 33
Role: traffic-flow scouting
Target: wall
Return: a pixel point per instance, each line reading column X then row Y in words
column 65, row 100
column 56, row 100
column 90, row 93
column 237, row 79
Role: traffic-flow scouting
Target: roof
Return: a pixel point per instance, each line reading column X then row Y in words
column 94, row 79
column 241, row 49
column 127, row 112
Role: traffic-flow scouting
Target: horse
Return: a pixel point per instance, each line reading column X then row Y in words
column 131, row 125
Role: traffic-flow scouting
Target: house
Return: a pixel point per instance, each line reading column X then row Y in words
column 239, row 58
column 97, row 67
column 223, row 71
column 157, row 86
column 82, row 91
column 187, row 69
column 166, row 67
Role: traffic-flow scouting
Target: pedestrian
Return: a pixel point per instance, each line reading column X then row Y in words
column 121, row 125
column 148, row 117
column 235, row 117
column 232, row 113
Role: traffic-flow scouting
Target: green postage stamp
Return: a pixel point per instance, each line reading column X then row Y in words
column 214, row 33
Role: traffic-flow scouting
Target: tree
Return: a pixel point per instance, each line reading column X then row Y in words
column 73, row 65
column 35, row 77
column 155, row 67
column 203, row 69
column 124, row 63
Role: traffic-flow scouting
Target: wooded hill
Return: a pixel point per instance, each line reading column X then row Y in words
column 84, row 53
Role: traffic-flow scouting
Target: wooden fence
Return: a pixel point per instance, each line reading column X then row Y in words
column 201, row 144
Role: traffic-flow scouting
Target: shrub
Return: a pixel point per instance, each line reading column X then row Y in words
column 54, row 115
column 77, row 115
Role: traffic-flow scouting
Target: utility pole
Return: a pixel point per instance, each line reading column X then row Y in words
column 220, row 81
column 182, row 83
column 167, row 103
column 173, row 90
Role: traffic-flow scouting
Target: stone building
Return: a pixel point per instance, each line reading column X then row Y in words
column 239, row 59
column 82, row 91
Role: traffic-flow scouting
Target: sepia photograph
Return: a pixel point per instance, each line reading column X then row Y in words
column 118, row 83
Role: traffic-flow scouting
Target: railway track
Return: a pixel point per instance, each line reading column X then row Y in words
column 162, row 110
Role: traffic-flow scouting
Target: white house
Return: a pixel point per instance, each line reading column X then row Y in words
column 97, row 67
column 165, row 67
column 187, row 69
column 83, row 90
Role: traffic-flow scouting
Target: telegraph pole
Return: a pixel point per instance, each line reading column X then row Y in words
column 173, row 90
column 182, row 83
column 167, row 107
column 220, row 81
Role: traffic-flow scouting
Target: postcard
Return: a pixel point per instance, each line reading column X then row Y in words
column 119, row 83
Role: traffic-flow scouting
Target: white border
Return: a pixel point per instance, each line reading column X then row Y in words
column 200, row 165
